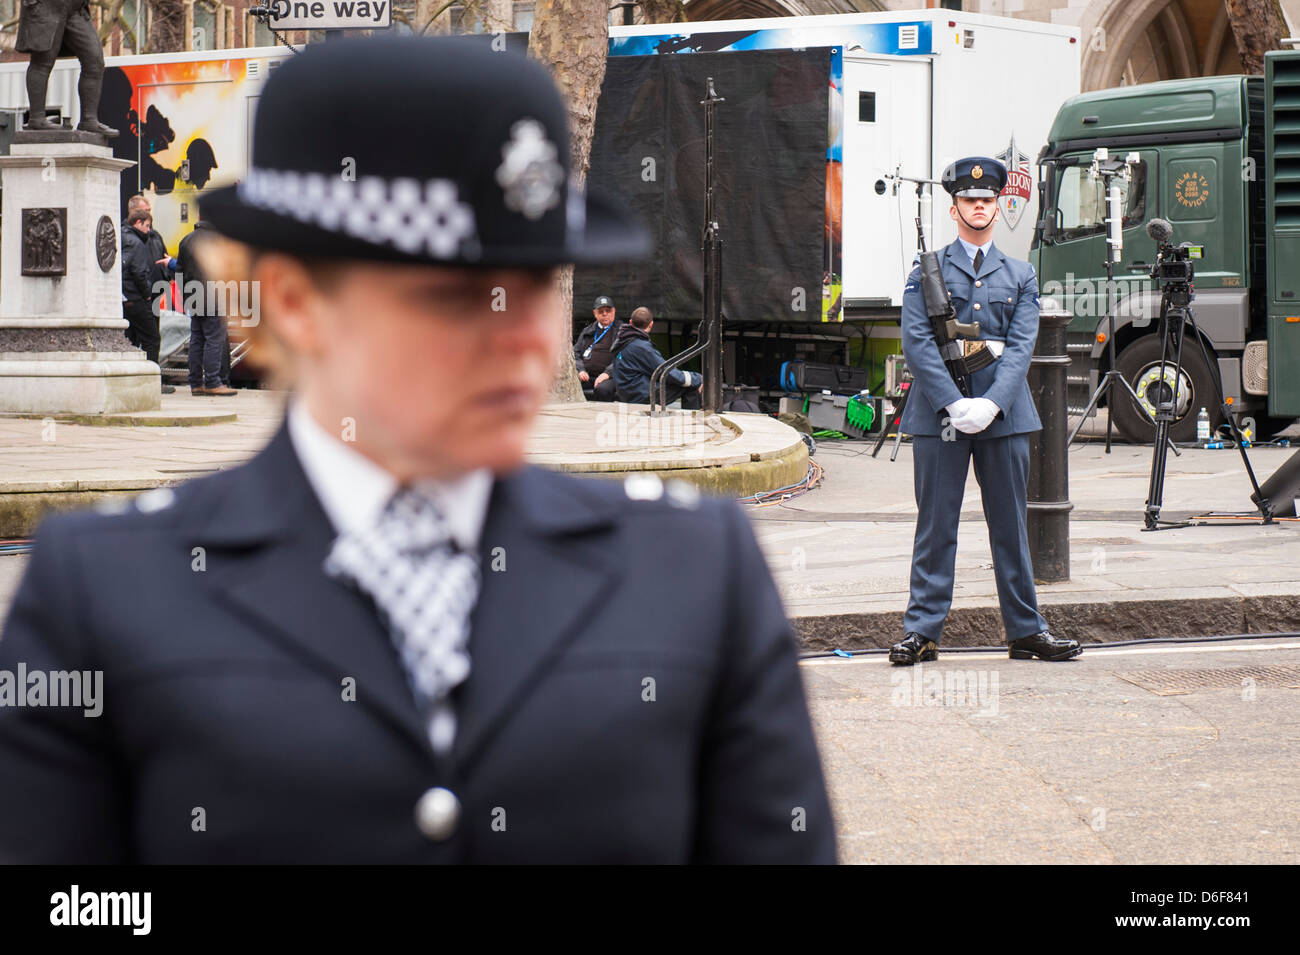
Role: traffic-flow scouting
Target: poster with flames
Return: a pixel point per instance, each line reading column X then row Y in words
column 186, row 126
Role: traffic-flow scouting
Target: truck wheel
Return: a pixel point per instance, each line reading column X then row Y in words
column 1139, row 363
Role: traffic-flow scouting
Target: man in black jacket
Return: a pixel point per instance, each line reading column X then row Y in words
column 137, row 285
column 158, row 268
column 162, row 267
column 594, row 349
column 386, row 638
column 635, row 359
column 208, row 332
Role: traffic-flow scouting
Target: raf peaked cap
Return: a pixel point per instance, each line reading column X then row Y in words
column 975, row 177
column 418, row 150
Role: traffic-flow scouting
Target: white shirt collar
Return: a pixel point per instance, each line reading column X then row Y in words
column 970, row 247
column 353, row 489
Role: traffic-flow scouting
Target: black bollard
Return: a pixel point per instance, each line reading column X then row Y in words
column 1049, row 459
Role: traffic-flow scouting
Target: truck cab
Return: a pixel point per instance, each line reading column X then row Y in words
column 1198, row 158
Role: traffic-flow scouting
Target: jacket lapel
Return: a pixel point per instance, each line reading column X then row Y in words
column 545, row 569
column 956, row 254
column 267, row 539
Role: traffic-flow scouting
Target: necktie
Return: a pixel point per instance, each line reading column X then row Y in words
column 979, row 260
column 424, row 589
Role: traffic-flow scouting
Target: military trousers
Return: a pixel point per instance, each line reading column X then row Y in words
column 939, row 471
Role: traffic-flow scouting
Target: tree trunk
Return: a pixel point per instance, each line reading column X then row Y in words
column 1257, row 25
column 663, row 11
column 112, row 10
column 432, row 17
column 571, row 37
column 498, row 16
column 166, row 26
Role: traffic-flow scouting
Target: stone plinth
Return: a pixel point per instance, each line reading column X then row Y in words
column 62, row 335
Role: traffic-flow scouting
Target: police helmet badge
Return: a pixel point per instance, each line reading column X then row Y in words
column 530, row 174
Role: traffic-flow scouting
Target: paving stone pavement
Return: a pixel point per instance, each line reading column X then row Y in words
column 1061, row 762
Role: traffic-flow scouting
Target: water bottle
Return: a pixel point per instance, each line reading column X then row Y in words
column 1202, row 429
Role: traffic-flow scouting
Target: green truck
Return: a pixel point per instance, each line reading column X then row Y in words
column 1218, row 157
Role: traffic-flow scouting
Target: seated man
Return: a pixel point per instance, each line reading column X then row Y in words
column 594, row 349
column 635, row 359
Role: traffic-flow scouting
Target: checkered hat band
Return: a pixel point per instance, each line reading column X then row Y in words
column 417, row 217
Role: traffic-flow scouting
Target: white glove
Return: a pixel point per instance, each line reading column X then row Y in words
column 965, row 424
column 960, row 408
column 959, row 415
column 980, row 415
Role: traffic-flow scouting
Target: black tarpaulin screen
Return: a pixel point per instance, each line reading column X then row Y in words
column 648, row 151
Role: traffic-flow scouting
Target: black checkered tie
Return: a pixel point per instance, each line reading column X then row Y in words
column 424, row 589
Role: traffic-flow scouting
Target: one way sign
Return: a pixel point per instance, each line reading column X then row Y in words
column 330, row 14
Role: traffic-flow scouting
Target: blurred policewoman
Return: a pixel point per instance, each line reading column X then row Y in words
column 385, row 639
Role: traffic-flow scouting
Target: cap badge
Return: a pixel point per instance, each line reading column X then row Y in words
column 530, row 174
column 977, row 172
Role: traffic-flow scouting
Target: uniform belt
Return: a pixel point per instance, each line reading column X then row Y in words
column 972, row 346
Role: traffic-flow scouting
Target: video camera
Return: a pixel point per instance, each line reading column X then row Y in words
column 1173, row 265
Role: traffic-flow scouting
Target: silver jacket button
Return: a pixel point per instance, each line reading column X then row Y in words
column 437, row 813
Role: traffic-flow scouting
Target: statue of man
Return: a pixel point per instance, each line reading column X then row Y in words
column 48, row 29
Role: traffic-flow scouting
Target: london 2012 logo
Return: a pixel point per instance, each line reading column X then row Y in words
column 1014, row 198
column 1192, row 190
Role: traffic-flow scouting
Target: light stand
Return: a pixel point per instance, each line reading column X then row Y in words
column 1112, row 172
column 921, row 184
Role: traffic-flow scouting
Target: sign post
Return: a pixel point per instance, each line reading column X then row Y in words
column 332, row 16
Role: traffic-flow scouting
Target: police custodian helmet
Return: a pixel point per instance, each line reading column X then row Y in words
column 418, row 150
column 975, row 177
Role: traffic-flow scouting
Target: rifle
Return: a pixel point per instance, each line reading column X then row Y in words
column 948, row 332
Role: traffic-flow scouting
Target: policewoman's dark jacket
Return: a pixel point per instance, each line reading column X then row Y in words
column 256, row 711
column 601, row 342
column 1003, row 300
column 635, row 359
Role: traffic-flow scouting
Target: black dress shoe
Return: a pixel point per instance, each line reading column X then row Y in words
column 1045, row 647
column 912, row 648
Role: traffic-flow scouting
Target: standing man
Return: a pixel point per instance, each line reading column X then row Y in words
column 385, row 638
column 138, row 271
column 208, row 331
column 992, row 426
column 160, row 267
column 594, row 350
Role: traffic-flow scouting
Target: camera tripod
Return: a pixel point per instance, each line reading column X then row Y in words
column 1110, row 173
column 1175, row 318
